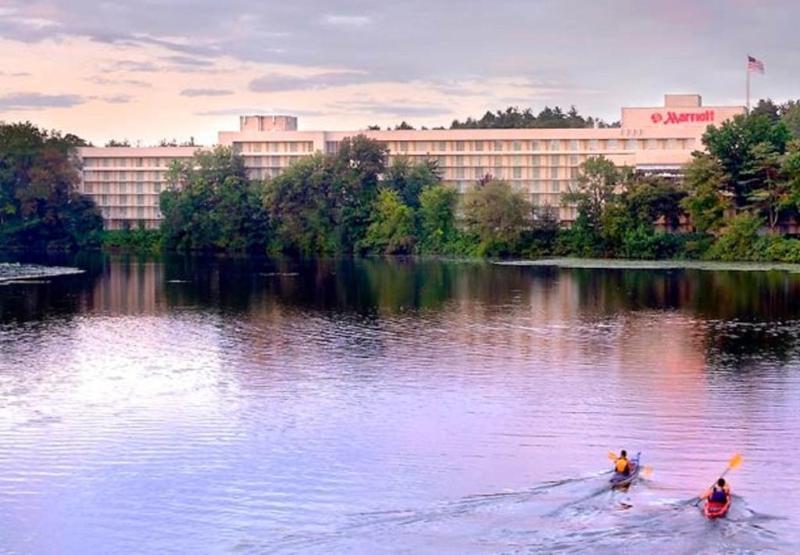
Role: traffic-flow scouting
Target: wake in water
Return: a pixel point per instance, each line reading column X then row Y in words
column 579, row 515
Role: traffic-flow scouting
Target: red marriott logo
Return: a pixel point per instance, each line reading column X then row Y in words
column 682, row 117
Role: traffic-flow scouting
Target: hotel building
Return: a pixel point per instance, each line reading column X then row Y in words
column 542, row 163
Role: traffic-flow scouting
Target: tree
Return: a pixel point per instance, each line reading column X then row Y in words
column 300, row 206
column 516, row 118
column 597, row 182
column 732, row 143
column 770, row 192
column 790, row 116
column 766, row 108
column 40, row 206
column 650, row 199
column 212, row 205
column 391, row 229
column 403, row 126
column 706, row 202
column 437, row 218
column 498, row 216
column 409, row 179
column 116, row 143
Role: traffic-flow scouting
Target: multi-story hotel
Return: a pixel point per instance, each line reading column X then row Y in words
column 543, row 163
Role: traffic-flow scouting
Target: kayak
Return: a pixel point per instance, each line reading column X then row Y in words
column 716, row 509
column 619, row 479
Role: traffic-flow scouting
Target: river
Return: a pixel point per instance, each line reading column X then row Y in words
column 223, row 405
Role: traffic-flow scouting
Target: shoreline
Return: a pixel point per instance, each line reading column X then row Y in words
column 626, row 264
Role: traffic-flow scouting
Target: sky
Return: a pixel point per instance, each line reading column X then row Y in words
column 144, row 70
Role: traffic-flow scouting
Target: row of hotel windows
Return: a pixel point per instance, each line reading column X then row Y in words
column 595, row 145
column 123, row 176
column 125, row 200
column 115, row 187
column 130, row 162
column 273, row 146
column 123, row 212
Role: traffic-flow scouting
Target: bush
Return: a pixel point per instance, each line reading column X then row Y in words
column 738, row 240
column 136, row 240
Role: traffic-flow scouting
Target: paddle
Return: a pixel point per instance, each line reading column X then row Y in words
column 735, row 462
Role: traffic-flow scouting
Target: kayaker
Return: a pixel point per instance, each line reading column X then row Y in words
column 622, row 465
column 719, row 492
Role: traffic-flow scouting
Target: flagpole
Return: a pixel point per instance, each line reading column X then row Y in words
column 747, row 71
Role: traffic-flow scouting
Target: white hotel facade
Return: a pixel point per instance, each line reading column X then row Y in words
column 125, row 182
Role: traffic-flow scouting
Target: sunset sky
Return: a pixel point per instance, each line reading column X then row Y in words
column 151, row 69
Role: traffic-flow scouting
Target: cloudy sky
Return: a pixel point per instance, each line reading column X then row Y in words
column 151, row 69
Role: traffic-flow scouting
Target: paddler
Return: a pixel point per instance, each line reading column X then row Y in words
column 622, row 465
column 718, row 493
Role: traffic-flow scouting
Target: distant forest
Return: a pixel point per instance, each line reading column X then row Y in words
column 514, row 117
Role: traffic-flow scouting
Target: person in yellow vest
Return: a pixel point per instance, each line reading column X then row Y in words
column 622, row 465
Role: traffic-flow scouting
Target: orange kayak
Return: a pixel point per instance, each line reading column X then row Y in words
column 715, row 509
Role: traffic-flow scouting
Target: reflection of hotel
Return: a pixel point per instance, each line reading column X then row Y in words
column 125, row 182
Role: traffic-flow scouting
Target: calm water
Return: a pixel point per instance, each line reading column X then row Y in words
column 223, row 406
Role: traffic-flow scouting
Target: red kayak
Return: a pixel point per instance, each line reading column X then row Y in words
column 716, row 509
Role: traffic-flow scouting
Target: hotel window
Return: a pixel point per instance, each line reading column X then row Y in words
column 123, row 200
column 594, row 144
column 478, row 145
column 573, row 172
column 554, row 160
column 292, row 147
column 613, row 144
column 105, row 162
column 498, row 145
column 106, row 187
column 87, row 188
column 554, row 187
column 420, row 147
column 138, row 162
column 157, row 188
column 554, row 144
column 652, row 143
column 672, row 144
column 459, row 160
column 140, row 199
column 553, row 173
column 536, row 145
column 139, row 176
column 460, row 146
column 403, row 146
column 517, row 160
column 536, row 173
column 573, row 160
column 498, row 161
column 441, row 146
column 517, row 145
column 273, row 147
column 479, row 173
column 517, row 173
column 536, row 160
column 442, row 161
column 140, row 212
column 459, row 173
column 139, row 187
column 573, row 145
column 477, row 160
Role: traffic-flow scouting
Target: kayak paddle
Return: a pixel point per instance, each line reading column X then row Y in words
column 735, row 462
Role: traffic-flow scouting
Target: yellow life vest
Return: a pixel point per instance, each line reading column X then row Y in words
column 621, row 465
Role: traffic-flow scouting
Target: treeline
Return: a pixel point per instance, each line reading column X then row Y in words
column 514, row 118
column 40, row 207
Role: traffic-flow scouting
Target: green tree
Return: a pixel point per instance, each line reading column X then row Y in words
column 768, row 109
column 391, row 230
column 40, row 206
column 409, row 179
column 732, row 144
column 437, row 218
column 300, row 206
column 771, row 193
column 738, row 240
column 790, row 116
column 597, row 184
column 210, row 204
column 498, row 216
column 706, row 202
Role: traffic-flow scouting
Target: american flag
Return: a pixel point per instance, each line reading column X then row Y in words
column 755, row 65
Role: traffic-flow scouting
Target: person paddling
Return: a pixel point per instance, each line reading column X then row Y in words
column 718, row 493
column 622, row 465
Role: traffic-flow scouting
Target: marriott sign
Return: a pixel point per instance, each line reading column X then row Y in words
column 671, row 117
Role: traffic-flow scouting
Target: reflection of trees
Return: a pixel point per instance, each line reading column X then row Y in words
column 60, row 297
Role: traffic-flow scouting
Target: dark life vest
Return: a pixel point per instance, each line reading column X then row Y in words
column 718, row 495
